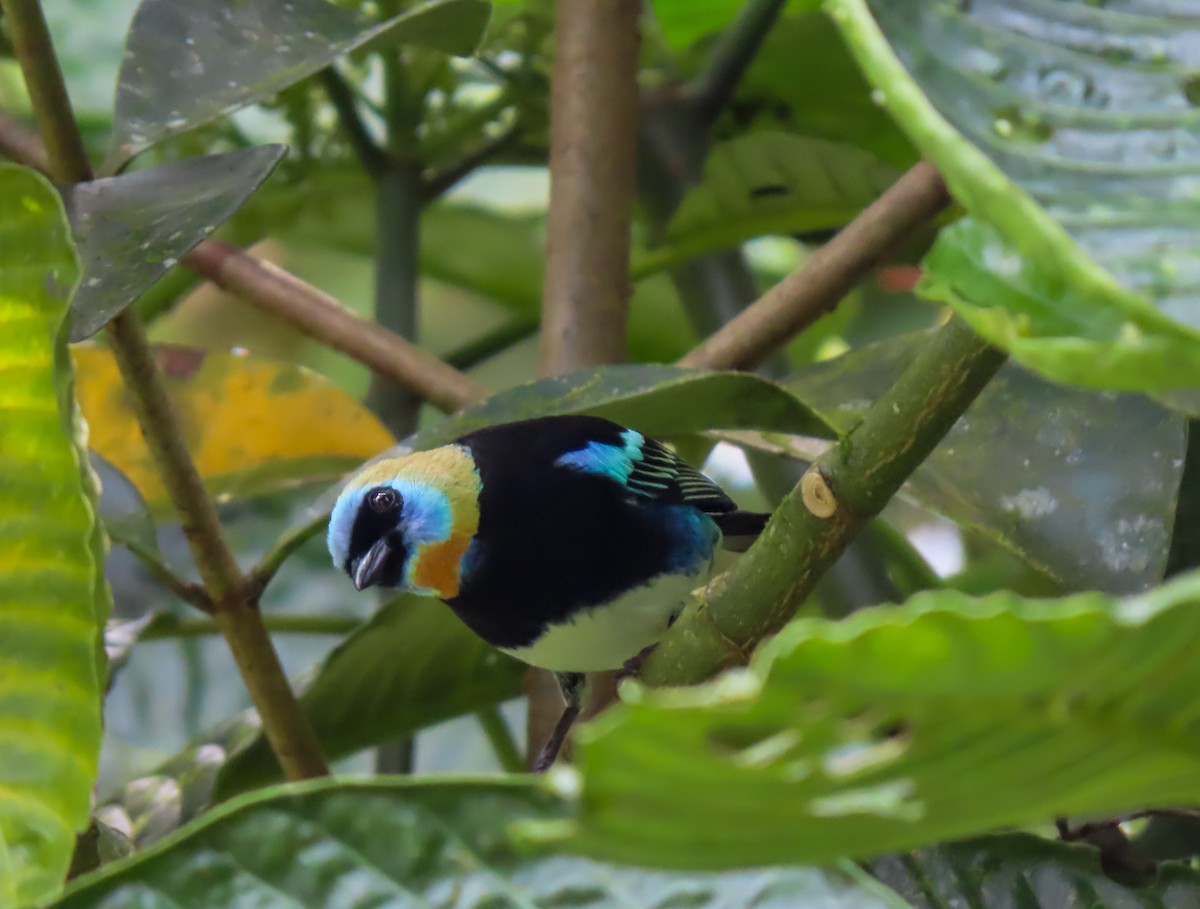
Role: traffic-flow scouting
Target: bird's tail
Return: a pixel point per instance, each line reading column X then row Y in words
column 740, row 528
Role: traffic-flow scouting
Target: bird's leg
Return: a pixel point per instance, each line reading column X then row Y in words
column 571, row 684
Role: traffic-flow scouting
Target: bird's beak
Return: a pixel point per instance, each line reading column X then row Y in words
column 369, row 567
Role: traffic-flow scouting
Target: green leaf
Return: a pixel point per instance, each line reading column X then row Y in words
column 1030, row 872
column 685, row 21
column 50, row 594
column 1064, row 129
column 769, row 183
column 902, row 726
column 1081, row 485
column 132, row 229
column 411, row 665
column 780, row 90
column 426, row 843
column 186, row 65
column 658, row 400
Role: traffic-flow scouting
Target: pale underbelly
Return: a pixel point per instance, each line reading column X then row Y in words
column 604, row 637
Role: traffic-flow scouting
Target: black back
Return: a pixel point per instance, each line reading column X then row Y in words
column 551, row 539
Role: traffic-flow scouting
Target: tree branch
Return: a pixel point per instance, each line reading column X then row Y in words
column 593, row 123
column 829, row 274
column 593, row 149
column 285, row 724
column 844, row 489
column 731, row 57
column 187, row 591
column 312, row 311
column 322, row 317
column 21, row 144
column 373, row 159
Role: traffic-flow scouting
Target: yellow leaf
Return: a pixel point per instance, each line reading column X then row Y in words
column 253, row 426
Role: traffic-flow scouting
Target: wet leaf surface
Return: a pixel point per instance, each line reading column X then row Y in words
column 131, row 229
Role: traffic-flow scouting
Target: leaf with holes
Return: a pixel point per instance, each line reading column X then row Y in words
column 188, row 64
column 133, row 228
column 413, row 664
column 435, row 843
column 769, row 183
column 51, row 593
column 1065, row 130
column 252, row 425
column 1081, row 485
column 901, row 726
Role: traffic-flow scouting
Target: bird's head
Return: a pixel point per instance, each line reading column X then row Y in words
column 408, row 522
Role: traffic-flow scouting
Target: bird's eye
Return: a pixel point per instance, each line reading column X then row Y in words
column 382, row 500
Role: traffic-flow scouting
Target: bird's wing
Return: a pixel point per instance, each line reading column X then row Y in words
column 651, row 471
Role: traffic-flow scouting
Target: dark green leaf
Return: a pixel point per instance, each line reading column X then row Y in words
column 413, row 664
column 1079, row 484
column 446, row 844
column 131, row 229
column 805, row 81
column 51, row 600
column 658, row 400
column 1027, row 872
column 769, row 183
column 1066, row 129
column 901, row 726
column 187, row 64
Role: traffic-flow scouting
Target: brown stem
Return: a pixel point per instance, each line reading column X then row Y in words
column 829, row 274
column 285, row 724
column 322, row 317
column 593, row 121
column 593, row 143
column 309, row 309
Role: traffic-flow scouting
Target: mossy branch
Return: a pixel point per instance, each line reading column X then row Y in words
column 839, row 494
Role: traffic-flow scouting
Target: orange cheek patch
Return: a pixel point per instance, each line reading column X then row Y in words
column 437, row 566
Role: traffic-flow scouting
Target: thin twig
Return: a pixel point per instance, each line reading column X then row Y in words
column 272, row 560
column 188, row 591
column 440, row 182
column 496, row 341
column 286, row 726
column 320, row 316
column 829, row 274
column 168, row 627
column 19, row 143
column 373, row 159
column 735, row 50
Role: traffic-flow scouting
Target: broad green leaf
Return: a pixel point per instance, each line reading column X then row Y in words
column 252, row 426
column 411, row 665
column 188, row 64
column 901, row 726
column 420, row 843
column 1026, row 871
column 1064, row 129
column 769, row 183
column 131, row 229
column 1079, row 484
column 685, row 21
column 803, row 51
column 50, row 593
column 658, row 400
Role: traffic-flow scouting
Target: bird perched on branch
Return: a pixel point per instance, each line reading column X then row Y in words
column 568, row 542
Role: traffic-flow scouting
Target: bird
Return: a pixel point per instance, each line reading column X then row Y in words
column 569, row 542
